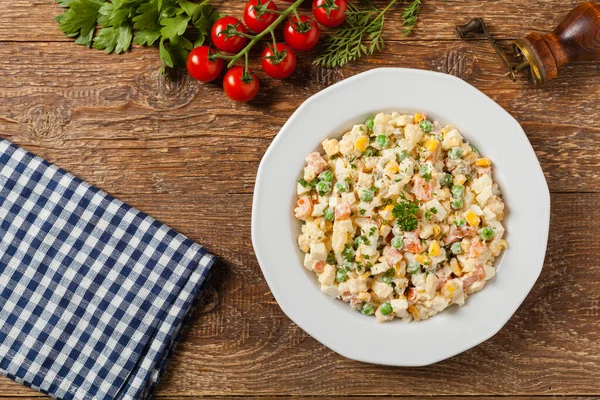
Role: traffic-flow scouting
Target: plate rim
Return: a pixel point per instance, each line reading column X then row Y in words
column 544, row 199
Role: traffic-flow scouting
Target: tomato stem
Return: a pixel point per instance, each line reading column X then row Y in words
column 254, row 39
column 274, row 40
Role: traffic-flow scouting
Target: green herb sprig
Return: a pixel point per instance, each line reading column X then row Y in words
column 143, row 22
column 406, row 213
column 362, row 34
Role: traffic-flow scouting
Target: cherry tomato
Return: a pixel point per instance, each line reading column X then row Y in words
column 200, row 67
column 239, row 85
column 302, row 35
column 330, row 13
column 223, row 36
column 280, row 63
column 257, row 15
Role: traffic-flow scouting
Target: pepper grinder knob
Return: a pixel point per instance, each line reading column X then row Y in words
column 576, row 38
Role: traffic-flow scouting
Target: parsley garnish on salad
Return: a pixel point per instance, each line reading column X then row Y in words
column 406, row 213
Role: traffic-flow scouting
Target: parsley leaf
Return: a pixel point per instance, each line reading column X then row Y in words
column 143, row 22
column 80, row 19
column 406, row 212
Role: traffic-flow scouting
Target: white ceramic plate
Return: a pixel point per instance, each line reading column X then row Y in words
column 486, row 125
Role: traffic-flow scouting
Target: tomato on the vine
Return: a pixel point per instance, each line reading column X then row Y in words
column 224, row 37
column 257, row 15
column 240, row 85
column 200, row 67
column 278, row 61
column 301, row 35
column 330, row 13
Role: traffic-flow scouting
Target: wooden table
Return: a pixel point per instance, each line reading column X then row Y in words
column 183, row 153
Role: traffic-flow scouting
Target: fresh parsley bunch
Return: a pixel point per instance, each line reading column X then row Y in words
column 144, row 22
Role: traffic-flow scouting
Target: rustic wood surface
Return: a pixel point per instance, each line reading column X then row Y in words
column 183, row 153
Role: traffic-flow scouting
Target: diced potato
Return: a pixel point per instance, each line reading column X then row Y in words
column 300, row 190
column 330, row 290
column 327, row 276
column 380, row 268
column 484, row 196
column 413, row 134
column 382, row 290
column 339, row 239
column 481, row 183
column 402, row 120
column 451, row 139
column 318, row 251
column 331, row 146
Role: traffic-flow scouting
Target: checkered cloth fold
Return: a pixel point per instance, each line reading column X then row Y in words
column 93, row 293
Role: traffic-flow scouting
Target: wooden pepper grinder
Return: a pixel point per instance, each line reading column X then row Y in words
column 576, row 38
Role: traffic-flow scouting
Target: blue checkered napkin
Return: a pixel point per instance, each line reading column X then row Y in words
column 93, row 292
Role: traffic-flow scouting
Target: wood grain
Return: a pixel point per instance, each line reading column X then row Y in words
column 508, row 19
column 153, row 141
column 241, row 343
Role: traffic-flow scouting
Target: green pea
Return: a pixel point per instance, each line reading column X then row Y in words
column 455, row 153
column 367, row 195
column 426, row 126
column 460, row 223
column 458, row 191
column 328, row 214
column 370, row 123
column 342, row 186
column 367, row 309
column 446, row 180
column 330, row 259
column 413, row 267
column 457, row 204
column 456, row 248
column 401, row 156
column 370, row 152
column 386, row 308
column 340, row 275
column 323, row 188
column 486, row 233
column 389, row 276
column 348, row 253
column 326, row 176
column 383, row 141
column 397, row 242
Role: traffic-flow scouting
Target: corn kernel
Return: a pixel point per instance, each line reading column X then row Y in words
column 431, row 144
column 418, row 118
column 423, row 259
column 391, row 168
column 449, row 288
column 364, row 296
column 436, row 230
column 504, row 244
column 459, row 180
column 455, row 267
column 386, row 213
column 361, row 143
column 434, row 249
column 483, row 162
column 415, row 313
column 472, row 218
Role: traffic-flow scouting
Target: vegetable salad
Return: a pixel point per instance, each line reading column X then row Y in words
column 400, row 217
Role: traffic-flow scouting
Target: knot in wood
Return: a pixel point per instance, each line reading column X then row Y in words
column 173, row 89
column 46, row 122
column 328, row 76
column 209, row 299
column 457, row 62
